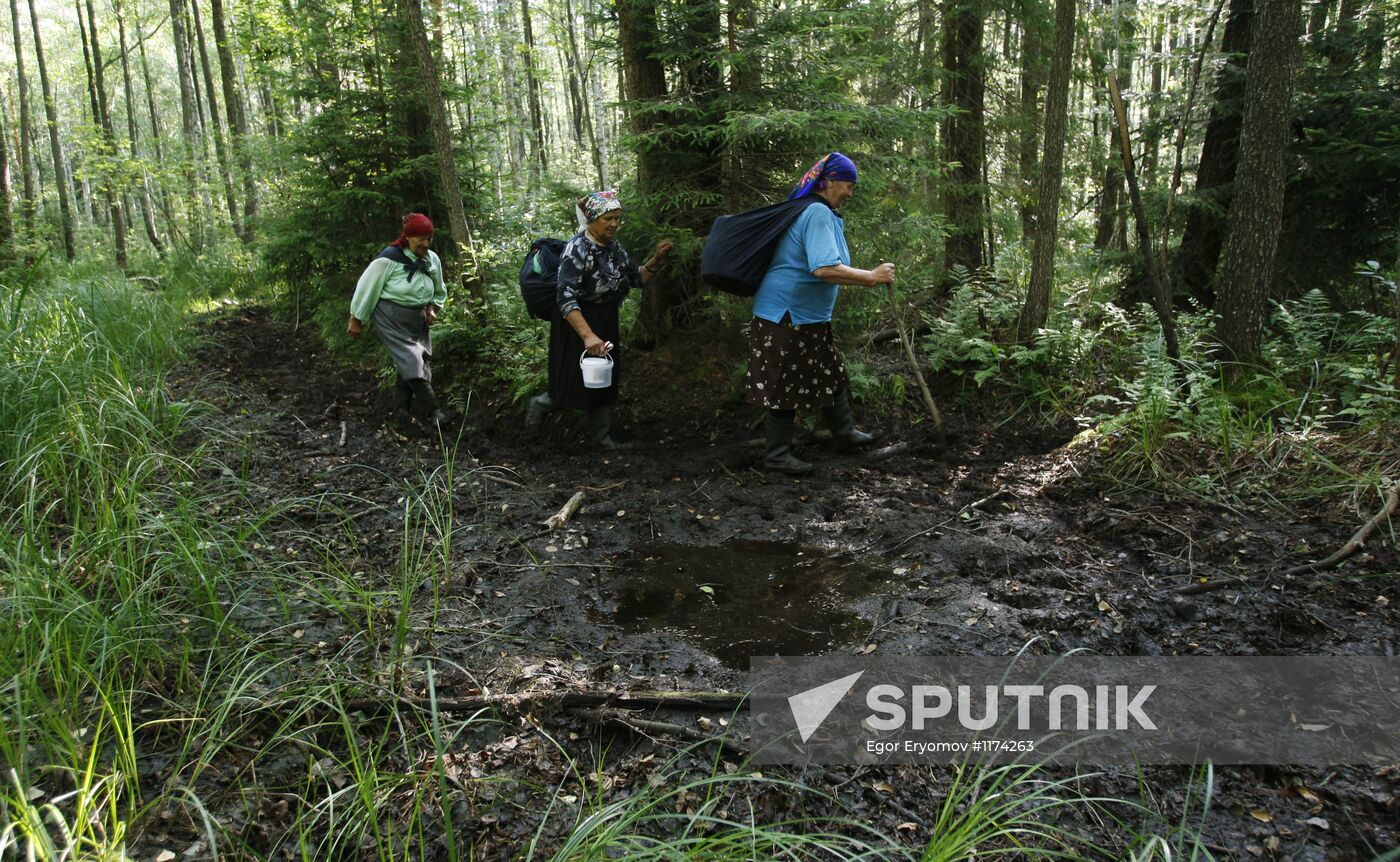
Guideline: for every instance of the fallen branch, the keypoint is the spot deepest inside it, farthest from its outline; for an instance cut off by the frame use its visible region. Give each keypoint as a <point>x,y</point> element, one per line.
<point>561,517</point>
<point>1392,501</point>
<point>343,432</point>
<point>726,701</point>
<point>1211,586</point>
<point>887,451</point>
<point>663,728</point>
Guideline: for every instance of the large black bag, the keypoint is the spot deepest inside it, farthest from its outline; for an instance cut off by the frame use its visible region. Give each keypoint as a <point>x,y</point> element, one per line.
<point>539,276</point>
<point>740,247</point>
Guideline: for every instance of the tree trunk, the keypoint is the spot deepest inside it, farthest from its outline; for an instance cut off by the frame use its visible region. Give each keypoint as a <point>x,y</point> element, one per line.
<point>26,124</point>
<point>1185,122</point>
<point>540,162</point>
<point>965,133</point>
<point>1047,199</point>
<point>645,79</point>
<point>237,118</point>
<point>189,121</point>
<point>1161,301</point>
<point>1031,74</point>
<point>60,168</point>
<point>411,11</point>
<point>1205,221</point>
<point>7,225</point>
<point>109,142</point>
<point>147,206</point>
<point>1247,260</point>
<point>580,74</point>
<point>215,126</point>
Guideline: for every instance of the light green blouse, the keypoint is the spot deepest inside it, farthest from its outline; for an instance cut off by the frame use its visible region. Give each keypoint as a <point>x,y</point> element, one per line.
<point>387,279</point>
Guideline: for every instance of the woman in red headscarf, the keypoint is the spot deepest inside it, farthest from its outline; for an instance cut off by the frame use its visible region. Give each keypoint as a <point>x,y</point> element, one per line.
<point>402,291</point>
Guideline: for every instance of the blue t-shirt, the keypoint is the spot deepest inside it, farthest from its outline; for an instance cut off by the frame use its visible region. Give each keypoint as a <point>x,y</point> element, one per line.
<point>816,239</point>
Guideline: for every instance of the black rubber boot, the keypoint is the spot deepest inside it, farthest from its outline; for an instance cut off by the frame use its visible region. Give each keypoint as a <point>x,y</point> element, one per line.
<point>779,454</point>
<point>842,423</point>
<point>403,395</point>
<point>600,422</point>
<point>423,391</point>
<point>540,407</point>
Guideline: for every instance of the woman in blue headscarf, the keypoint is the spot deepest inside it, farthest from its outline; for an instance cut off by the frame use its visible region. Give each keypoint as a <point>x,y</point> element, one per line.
<point>793,361</point>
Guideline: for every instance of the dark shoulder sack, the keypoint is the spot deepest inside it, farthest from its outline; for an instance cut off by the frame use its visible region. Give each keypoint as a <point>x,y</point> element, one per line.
<point>740,247</point>
<point>539,276</point>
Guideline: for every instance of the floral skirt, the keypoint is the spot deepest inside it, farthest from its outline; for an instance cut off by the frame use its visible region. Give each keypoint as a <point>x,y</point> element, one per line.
<point>793,367</point>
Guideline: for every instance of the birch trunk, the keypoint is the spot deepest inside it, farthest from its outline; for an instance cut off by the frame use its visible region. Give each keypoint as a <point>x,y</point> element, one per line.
<point>60,167</point>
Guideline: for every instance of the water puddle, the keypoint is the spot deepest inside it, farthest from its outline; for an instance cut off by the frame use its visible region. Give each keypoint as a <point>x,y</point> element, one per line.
<point>745,598</point>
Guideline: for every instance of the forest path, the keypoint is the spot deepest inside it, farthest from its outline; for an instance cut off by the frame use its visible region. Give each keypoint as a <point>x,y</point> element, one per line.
<point>974,547</point>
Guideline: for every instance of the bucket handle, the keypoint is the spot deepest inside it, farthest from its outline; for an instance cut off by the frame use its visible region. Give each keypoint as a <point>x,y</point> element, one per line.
<point>607,356</point>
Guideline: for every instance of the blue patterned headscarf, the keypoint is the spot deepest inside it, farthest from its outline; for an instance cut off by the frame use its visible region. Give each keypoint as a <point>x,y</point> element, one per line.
<point>833,166</point>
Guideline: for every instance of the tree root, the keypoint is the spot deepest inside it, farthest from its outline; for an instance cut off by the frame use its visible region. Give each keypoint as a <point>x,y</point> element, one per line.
<point>1392,501</point>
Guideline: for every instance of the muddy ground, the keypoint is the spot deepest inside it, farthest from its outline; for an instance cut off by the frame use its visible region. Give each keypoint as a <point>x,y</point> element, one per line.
<point>975,545</point>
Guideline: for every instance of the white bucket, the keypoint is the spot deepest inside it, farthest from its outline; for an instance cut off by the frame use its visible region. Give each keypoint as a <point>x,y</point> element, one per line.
<point>597,371</point>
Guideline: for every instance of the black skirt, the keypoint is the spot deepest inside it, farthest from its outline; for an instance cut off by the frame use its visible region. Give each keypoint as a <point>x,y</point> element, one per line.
<point>566,387</point>
<point>793,367</point>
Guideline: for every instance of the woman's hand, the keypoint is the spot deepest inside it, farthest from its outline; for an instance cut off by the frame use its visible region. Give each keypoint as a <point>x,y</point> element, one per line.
<point>595,346</point>
<point>430,314</point>
<point>882,274</point>
<point>662,249</point>
<point>356,327</point>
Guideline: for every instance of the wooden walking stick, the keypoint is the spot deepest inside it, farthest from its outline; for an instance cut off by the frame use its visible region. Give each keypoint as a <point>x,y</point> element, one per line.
<point>914,362</point>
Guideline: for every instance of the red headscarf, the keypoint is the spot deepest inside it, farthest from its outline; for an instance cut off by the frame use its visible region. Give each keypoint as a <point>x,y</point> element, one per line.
<point>414,224</point>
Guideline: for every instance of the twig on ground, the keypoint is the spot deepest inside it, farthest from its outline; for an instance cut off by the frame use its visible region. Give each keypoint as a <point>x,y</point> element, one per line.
<point>663,728</point>
<point>887,451</point>
<point>677,700</point>
<point>343,431</point>
<point>561,517</point>
<point>976,504</point>
<point>1392,501</point>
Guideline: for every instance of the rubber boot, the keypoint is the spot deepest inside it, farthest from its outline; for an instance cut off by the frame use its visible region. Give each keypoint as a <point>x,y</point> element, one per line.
<point>540,407</point>
<point>779,454</point>
<point>843,425</point>
<point>600,422</point>
<point>403,395</point>
<point>423,391</point>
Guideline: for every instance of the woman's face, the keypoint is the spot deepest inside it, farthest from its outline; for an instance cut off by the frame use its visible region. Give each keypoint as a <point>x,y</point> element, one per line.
<point>604,227</point>
<point>838,192</point>
<point>419,244</point>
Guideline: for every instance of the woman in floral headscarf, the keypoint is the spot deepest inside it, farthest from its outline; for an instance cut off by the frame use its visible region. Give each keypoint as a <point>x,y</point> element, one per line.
<point>793,361</point>
<point>595,275</point>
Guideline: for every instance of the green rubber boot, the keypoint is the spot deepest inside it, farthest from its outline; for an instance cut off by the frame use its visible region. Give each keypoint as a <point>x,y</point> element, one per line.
<point>600,424</point>
<point>779,453</point>
<point>839,419</point>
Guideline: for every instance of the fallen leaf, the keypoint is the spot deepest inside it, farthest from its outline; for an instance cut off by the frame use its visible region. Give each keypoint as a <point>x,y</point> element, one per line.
<point>1262,816</point>
<point>883,787</point>
<point>621,512</point>
<point>867,649</point>
<point>1314,728</point>
<point>1319,822</point>
<point>704,723</point>
<point>569,799</point>
<point>707,589</point>
<point>165,856</point>
<point>906,826</point>
<point>1382,601</point>
<point>1308,795</point>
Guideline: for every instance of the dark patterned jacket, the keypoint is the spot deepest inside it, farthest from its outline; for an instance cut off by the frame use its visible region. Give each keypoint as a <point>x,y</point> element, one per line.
<point>589,272</point>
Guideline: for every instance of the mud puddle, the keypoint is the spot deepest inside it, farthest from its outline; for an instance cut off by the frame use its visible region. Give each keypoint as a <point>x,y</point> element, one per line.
<point>745,598</point>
